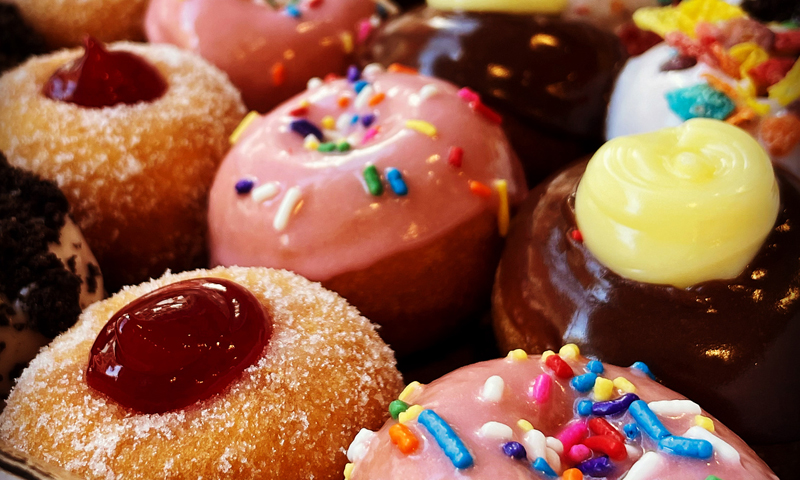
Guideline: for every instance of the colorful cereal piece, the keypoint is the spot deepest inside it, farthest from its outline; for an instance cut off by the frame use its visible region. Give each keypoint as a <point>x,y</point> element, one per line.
<point>700,101</point>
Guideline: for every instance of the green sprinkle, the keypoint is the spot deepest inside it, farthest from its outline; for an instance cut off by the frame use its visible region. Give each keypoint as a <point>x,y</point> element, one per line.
<point>373,180</point>
<point>713,477</point>
<point>343,146</point>
<point>326,147</point>
<point>397,407</point>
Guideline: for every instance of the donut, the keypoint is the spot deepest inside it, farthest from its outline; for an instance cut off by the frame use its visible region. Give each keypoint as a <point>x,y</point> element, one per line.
<point>713,315</point>
<point>268,49</point>
<point>49,274</point>
<point>395,197</point>
<point>306,372</point>
<point>136,173</point>
<point>609,14</point>
<point>18,40</point>
<point>548,76</point>
<point>724,65</point>
<point>558,415</point>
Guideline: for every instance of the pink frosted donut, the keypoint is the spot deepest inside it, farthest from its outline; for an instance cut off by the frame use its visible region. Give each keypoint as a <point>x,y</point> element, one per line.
<point>414,261</point>
<point>551,416</point>
<point>269,52</point>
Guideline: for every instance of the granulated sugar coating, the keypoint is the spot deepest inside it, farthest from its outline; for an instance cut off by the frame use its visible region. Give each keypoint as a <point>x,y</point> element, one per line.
<point>324,375</point>
<point>137,176</point>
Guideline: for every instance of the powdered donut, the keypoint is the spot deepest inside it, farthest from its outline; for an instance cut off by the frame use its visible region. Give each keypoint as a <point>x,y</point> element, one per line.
<point>323,374</point>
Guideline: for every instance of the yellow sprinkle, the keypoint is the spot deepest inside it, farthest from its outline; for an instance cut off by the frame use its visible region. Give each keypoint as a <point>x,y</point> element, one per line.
<point>502,209</point>
<point>787,90</point>
<point>347,42</point>
<point>625,385</point>
<point>570,351</point>
<point>409,415</point>
<point>328,123</point>
<point>410,388</point>
<point>422,127</point>
<point>547,354</point>
<point>348,471</point>
<point>518,354</point>
<point>524,425</point>
<point>311,142</point>
<point>246,121</point>
<point>685,16</point>
<point>304,104</point>
<point>603,388</point>
<point>704,422</point>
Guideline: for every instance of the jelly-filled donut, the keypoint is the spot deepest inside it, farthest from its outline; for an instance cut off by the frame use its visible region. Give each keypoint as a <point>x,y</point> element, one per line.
<point>549,77</point>
<point>269,49</point>
<point>224,373</point>
<point>392,190</point>
<point>680,249</point>
<point>549,416</point>
<point>722,64</point>
<point>49,274</point>
<point>133,136</point>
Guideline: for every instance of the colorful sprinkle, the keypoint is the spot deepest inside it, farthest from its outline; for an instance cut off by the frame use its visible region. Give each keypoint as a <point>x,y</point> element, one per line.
<point>455,156</point>
<point>364,29</point>
<point>408,391</point>
<point>347,42</point>
<point>631,431</point>
<point>583,383</point>
<point>404,438</point>
<point>314,82</point>
<point>600,426</point>
<point>343,146</point>
<point>584,407</point>
<point>541,466</point>
<point>399,68</point>
<point>446,438</point>
<point>496,431</point>
<point>396,182</point>
<point>360,444</point>
<point>278,74</point>
<point>540,389</point>
<point>517,355</point>
<point>353,74</point>
<point>596,467</point>
<point>493,388</point>
<point>686,447</point>
<point>572,474</point>
<point>369,135</point>
<point>514,450</point>
<point>326,147</point>
<point>704,422</point>
<point>359,85</point>
<point>343,101</point>
<point>285,209</point>
<point>328,122</point>
<point>363,97</point>
<point>373,180</point>
<point>427,91</point>
<point>535,443</point>
<point>576,235</point>
<point>239,130</point>
<point>579,453</point>
<point>300,111</point>
<point>487,112</point>
<point>244,186</point>
<point>608,445</point>
<point>671,408</point>
<point>304,128</point>
<point>642,367</point>
<point>348,471</point>
<point>524,425</point>
<point>468,95</point>
<point>310,142</point>
<point>376,99</point>
<point>647,420</point>
<point>603,389</point>
<point>573,434</point>
<point>409,415</point>
<point>569,351</point>
<point>396,407</point>
<point>422,126</point>
<point>503,214</point>
<point>723,449</point>
<point>625,385</point>
<point>646,467</point>
<point>595,366</point>
<point>700,101</point>
<point>559,367</point>
<point>613,407</point>
<point>292,11</point>
<point>265,192</point>
<point>367,119</point>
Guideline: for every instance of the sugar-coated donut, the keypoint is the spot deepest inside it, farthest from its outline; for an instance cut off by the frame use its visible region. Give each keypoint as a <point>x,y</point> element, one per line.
<point>550,416</point>
<point>269,49</point>
<point>137,176</point>
<point>324,374</point>
<point>397,206</point>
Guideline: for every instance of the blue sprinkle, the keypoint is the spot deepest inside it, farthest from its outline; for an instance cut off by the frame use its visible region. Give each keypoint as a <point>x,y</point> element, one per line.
<point>381,11</point>
<point>447,439</point>
<point>596,467</point>
<point>305,128</point>
<point>631,431</point>
<point>584,408</point>
<point>641,366</point>
<point>686,447</point>
<point>541,466</point>
<point>359,85</point>
<point>583,383</point>
<point>353,74</point>
<point>595,367</point>
<point>292,11</point>
<point>244,186</point>
<point>514,450</point>
<point>700,100</point>
<point>648,421</point>
<point>613,407</point>
<point>395,179</point>
<point>367,119</point>
<point>354,120</point>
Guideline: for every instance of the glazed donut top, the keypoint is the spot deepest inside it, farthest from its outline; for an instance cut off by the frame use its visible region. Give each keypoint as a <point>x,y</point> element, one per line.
<point>554,416</point>
<point>354,170</point>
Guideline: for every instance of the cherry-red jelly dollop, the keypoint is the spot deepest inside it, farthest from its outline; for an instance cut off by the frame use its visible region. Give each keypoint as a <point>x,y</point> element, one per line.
<point>102,79</point>
<point>178,344</point>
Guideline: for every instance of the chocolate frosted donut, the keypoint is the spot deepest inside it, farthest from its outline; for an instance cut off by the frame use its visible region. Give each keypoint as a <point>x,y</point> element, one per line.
<point>550,78</point>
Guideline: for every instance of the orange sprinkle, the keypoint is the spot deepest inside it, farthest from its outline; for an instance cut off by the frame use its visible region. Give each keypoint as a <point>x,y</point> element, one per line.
<point>404,438</point>
<point>780,134</point>
<point>480,189</point>
<point>400,68</point>
<point>278,74</point>
<point>376,99</point>
<point>617,7</point>
<point>721,85</point>
<point>726,63</point>
<point>741,116</point>
<point>343,101</point>
<point>572,474</point>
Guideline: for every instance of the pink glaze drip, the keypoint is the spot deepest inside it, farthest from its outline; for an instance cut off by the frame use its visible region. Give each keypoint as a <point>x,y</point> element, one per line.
<point>248,39</point>
<point>456,399</point>
<point>338,226</point>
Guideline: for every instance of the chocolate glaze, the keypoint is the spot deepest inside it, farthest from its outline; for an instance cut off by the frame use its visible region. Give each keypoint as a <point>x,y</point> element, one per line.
<point>550,78</point>
<point>732,345</point>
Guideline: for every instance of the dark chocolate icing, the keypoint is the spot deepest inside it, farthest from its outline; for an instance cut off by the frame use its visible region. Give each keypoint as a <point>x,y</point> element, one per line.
<point>550,78</point>
<point>731,346</point>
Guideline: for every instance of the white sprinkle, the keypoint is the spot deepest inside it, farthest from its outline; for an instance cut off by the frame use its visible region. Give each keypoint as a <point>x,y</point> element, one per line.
<point>310,142</point>
<point>535,443</point>
<point>288,203</point>
<point>363,97</point>
<point>343,122</point>
<point>673,408</point>
<point>722,448</point>
<point>375,21</point>
<point>633,452</point>
<point>493,389</point>
<point>371,70</point>
<point>496,431</point>
<point>646,467</point>
<point>314,82</point>
<point>555,444</point>
<point>428,91</point>
<point>265,192</point>
<point>360,445</point>
<point>553,459</point>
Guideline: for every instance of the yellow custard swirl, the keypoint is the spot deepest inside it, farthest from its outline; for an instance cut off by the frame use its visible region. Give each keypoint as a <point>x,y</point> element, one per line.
<point>504,6</point>
<point>678,206</point>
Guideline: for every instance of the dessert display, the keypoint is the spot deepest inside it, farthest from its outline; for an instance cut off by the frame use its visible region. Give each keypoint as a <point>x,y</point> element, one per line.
<point>678,248</point>
<point>392,189</point>
<point>269,49</point>
<point>549,416</point>
<point>49,274</point>
<point>18,40</point>
<point>235,373</point>
<point>720,64</point>
<point>548,76</point>
<point>133,135</point>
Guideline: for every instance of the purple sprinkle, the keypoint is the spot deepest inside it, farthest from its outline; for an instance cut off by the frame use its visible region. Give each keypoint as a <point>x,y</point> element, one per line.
<point>367,119</point>
<point>353,74</point>
<point>244,186</point>
<point>514,450</point>
<point>596,467</point>
<point>678,62</point>
<point>613,407</point>
<point>305,128</point>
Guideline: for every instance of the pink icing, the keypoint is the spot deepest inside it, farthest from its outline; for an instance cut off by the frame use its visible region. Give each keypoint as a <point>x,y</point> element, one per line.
<point>456,399</point>
<point>249,39</point>
<point>338,226</point>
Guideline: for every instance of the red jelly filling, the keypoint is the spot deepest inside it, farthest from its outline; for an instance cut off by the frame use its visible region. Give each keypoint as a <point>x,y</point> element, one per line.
<point>102,79</point>
<point>178,344</point>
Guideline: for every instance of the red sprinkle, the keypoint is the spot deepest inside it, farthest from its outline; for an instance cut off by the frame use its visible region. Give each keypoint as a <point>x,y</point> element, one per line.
<point>299,112</point>
<point>469,95</point>
<point>559,367</point>
<point>278,74</point>
<point>480,189</point>
<point>487,112</point>
<point>330,77</point>
<point>314,3</point>
<point>400,68</point>
<point>455,156</point>
<point>608,445</point>
<point>600,426</point>
<point>576,235</point>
